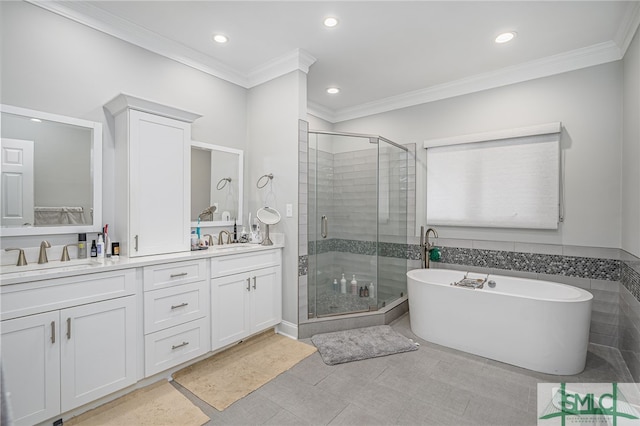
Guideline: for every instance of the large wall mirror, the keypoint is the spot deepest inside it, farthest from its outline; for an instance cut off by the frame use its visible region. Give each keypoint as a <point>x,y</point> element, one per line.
<point>216,185</point>
<point>51,173</point>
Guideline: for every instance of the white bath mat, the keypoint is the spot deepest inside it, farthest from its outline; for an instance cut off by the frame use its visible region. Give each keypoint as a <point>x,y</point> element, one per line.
<point>362,343</point>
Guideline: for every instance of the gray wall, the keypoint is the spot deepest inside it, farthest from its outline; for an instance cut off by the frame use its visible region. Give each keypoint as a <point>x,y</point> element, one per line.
<point>589,104</point>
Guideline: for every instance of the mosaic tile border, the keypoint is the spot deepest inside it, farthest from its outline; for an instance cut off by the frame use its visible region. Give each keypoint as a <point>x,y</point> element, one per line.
<point>581,267</point>
<point>630,279</point>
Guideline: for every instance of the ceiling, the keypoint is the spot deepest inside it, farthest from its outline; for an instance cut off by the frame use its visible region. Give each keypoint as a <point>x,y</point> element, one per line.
<point>382,54</point>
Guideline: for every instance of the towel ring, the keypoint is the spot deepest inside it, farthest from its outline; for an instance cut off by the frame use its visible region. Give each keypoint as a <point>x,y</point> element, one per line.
<point>268,178</point>
<point>223,181</point>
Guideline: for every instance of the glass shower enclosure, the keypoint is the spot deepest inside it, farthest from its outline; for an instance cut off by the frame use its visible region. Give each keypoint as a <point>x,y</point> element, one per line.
<point>358,189</point>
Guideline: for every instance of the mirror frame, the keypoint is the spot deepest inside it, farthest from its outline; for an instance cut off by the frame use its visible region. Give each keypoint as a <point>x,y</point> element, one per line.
<point>240,153</point>
<point>95,168</point>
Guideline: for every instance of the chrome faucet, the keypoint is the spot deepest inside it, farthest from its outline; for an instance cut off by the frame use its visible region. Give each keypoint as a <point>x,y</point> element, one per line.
<point>220,241</point>
<point>42,258</point>
<point>425,245</point>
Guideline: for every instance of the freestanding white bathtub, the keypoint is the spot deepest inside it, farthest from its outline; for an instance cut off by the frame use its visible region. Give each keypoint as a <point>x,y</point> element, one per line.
<point>539,325</point>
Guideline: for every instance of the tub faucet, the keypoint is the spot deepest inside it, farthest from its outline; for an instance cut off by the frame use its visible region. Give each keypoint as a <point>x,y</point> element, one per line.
<point>42,258</point>
<point>220,240</point>
<point>425,245</point>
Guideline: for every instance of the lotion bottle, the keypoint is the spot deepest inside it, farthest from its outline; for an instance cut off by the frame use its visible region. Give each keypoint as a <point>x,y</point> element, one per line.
<point>343,285</point>
<point>335,285</point>
<point>372,291</point>
<point>354,286</point>
<point>100,247</point>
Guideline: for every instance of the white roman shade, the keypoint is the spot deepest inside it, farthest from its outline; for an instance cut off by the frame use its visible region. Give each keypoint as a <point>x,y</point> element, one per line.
<point>507,179</point>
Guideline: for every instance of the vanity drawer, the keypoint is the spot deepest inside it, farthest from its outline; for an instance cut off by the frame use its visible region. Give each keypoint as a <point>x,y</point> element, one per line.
<point>168,348</point>
<point>175,305</point>
<point>59,293</point>
<point>170,274</point>
<point>237,263</point>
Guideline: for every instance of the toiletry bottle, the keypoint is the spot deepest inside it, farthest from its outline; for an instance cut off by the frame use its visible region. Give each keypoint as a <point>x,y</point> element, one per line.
<point>107,241</point>
<point>82,246</point>
<point>235,231</point>
<point>343,285</point>
<point>361,292</point>
<point>94,249</point>
<point>335,285</point>
<point>366,291</point>
<point>354,286</point>
<point>100,247</point>
<point>115,250</point>
<point>372,291</point>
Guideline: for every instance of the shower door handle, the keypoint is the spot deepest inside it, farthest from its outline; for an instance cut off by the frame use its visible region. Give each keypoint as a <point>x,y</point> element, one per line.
<point>324,230</point>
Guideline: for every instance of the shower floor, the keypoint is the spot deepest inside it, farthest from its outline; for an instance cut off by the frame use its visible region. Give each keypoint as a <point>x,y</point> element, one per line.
<point>331,303</point>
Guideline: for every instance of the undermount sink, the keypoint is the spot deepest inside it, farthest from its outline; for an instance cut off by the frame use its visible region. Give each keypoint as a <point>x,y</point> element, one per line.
<point>233,247</point>
<point>52,264</point>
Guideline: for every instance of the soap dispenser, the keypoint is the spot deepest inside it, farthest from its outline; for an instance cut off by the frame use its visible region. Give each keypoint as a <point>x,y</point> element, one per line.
<point>372,291</point>
<point>354,286</point>
<point>343,285</point>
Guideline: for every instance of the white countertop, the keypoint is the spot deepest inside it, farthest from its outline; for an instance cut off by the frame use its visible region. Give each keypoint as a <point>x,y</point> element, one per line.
<point>56,269</point>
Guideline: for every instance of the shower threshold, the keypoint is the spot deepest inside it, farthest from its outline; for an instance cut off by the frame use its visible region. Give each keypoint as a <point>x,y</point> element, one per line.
<point>344,313</point>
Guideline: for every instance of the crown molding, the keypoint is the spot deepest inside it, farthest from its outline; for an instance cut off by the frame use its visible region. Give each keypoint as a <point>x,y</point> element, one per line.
<point>628,26</point>
<point>576,59</point>
<point>321,111</point>
<point>297,59</point>
<point>96,18</point>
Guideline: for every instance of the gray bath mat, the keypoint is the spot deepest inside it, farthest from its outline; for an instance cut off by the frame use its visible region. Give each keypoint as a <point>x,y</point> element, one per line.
<point>362,343</point>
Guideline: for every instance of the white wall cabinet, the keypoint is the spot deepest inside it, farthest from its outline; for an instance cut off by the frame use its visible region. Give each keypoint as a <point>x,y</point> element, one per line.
<point>245,300</point>
<point>57,360</point>
<point>153,158</point>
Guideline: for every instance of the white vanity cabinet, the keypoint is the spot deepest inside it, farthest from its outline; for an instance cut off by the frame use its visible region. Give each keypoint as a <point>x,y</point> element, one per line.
<point>176,314</point>
<point>153,158</point>
<point>246,295</point>
<point>67,342</point>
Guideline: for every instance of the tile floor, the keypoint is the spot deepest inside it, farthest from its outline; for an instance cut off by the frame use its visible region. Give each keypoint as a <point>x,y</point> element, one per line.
<point>431,386</point>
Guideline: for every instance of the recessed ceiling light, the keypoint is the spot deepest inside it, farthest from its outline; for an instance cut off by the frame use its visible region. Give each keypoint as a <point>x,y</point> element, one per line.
<point>333,90</point>
<point>36,120</point>
<point>220,38</point>
<point>505,37</point>
<point>330,22</point>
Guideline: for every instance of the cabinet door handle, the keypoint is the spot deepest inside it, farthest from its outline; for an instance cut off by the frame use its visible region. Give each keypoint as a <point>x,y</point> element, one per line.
<point>68,328</point>
<point>248,284</point>
<point>254,283</point>
<point>136,243</point>
<point>182,305</point>
<point>181,274</point>
<point>180,345</point>
<point>53,331</point>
